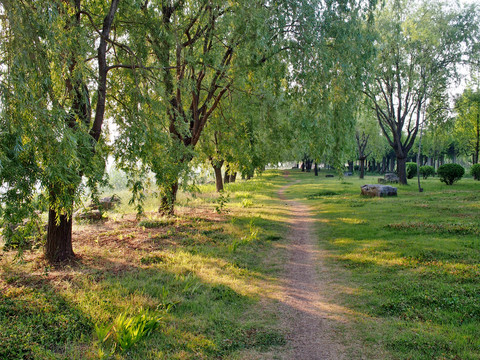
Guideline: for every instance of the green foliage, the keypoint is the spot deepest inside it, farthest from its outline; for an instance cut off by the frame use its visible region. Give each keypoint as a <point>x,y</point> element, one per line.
<point>467,121</point>
<point>419,47</point>
<point>126,331</point>
<point>411,170</point>
<point>27,235</point>
<point>427,171</point>
<point>450,173</point>
<point>222,201</point>
<point>246,203</point>
<point>475,171</point>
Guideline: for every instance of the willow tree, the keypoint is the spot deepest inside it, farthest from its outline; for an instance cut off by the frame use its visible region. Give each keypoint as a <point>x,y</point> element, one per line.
<point>419,46</point>
<point>198,52</point>
<point>328,81</point>
<point>467,123</point>
<point>54,66</point>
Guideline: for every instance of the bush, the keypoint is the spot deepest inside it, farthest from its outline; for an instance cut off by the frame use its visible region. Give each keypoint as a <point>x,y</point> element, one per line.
<point>411,170</point>
<point>475,171</point>
<point>450,173</point>
<point>427,171</point>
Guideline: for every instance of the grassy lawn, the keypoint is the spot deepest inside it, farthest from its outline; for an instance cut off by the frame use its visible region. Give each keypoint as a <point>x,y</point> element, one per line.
<point>203,285</point>
<point>409,266</point>
<point>183,288</point>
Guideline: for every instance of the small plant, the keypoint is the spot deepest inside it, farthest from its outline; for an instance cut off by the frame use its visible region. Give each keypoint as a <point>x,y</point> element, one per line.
<point>411,169</point>
<point>222,202</point>
<point>125,331</point>
<point>427,171</point>
<point>475,171</point>
<point>246,203</point>
<point>450,173</point>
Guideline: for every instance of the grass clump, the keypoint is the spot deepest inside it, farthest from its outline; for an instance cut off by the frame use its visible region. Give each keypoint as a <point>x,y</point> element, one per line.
<point>126,331</point>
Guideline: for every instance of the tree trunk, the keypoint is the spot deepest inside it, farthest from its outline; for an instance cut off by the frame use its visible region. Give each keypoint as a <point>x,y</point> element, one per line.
<point>350,166</point>
<point>477,143</point>
<point>226,178</point>
<point>316,169</point>
<point>59,238</point>
<point>168,200</point>
<point>362,168</point>
<point>233,177</point>
<point>419,157</point>
<point>402,170</point>
<point>218,177</point>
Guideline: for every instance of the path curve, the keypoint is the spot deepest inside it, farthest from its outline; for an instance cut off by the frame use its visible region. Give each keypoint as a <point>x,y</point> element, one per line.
<point>305,308</point>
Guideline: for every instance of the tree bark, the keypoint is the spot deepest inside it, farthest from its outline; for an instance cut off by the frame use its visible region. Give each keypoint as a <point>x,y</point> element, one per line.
<point>59,238</point>
<point>218,176</point>
<point>233,177</point>
<point>350,166</point>
<point>226,178</point>
<point>402,170</point>
<point>362,168</point>
<point>477,142</point>
<point>168,200</point>
<point>316,169</point>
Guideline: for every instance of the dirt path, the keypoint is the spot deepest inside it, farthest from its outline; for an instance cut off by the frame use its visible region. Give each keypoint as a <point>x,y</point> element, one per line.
<point>305,306</point>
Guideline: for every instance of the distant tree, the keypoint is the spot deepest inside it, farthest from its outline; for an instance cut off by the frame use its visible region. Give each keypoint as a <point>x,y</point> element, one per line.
<point>419,47</point>
<point>367,135</point>
<point>467,122</point>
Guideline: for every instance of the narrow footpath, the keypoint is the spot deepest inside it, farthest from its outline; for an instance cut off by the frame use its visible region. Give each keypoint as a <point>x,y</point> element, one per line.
<point>305,308</point>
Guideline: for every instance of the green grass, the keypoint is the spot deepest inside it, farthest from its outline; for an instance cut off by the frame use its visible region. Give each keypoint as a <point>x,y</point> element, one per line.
<point>411,263</point>
<point>155,289</point>
<point>199,286</point>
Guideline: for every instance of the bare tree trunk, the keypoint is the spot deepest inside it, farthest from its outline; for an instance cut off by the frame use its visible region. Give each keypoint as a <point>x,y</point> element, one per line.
<point>316,169</point>
<point>419,157</point>
<point>477,143</point>
<point>233,177</point>
<point>362,168</point>
<point>226,177</point>
<point>350,166</point>
<point>402,170</point>
<point>218,177</point>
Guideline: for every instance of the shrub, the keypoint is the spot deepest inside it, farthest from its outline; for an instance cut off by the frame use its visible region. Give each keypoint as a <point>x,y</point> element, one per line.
<point>427,171</point>
<point>450,173</point>
<point>411,170</point>
<point>475,171</point>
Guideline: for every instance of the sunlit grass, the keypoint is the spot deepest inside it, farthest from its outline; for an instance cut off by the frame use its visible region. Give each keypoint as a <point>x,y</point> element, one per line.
<point>414,261</point>
<point>183,268</point>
